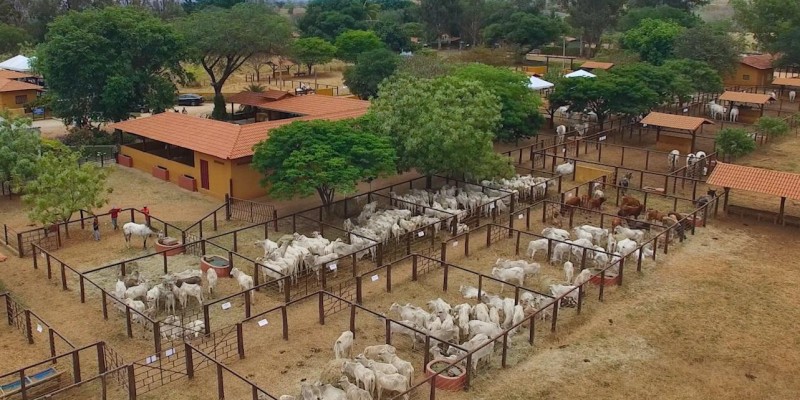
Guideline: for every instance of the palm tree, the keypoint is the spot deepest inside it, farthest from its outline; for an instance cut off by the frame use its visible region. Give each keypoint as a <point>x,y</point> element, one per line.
<point>255,88</point>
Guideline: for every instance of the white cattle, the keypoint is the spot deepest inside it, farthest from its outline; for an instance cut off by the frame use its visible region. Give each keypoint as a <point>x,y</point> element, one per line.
<point>734,113</point>
<point>343,345</point>
<point>514,275</point>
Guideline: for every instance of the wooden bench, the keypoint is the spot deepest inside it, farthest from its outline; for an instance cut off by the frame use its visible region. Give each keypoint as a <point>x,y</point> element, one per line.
<point>36,385</point>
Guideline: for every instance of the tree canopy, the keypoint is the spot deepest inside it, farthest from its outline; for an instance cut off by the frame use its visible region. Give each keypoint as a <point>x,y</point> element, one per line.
<point>634,16</point>
<point>734,142</point>
<point>312,51</point>
<point>19,149</point>
<point>103,64</point>
<point>525,30</point>
<point>606,94</point>
<point>370,70</point>
<point>320,156</point>
<point>11,37</point>
<point>352,43</point>
<point>653,39</point>
<point>703,78</point>
<point>768,20</point>
<point>592,18</point>
<point>520,117</point>
<point>441,126</point>
<point>330,18</point>
<point>222,40</point>
<point>687,5</point>
<point>62,187</point>
<point>702,43</point>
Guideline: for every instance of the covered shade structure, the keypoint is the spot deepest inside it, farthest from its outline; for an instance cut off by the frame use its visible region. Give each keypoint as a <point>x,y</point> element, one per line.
<point>747,98</point>
<point>580,74</point>
<point>537,83</point>
<point>17,63</point>
<point>759,180</point>
<point>592,65</point>
<point>676,123</point>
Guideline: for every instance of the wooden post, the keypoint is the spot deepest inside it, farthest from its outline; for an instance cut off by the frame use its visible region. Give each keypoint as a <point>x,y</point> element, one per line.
<point>105,304</point>
<point>132,377</point>
<point>220,383</point>
<point>285,322</point>
<point>321,308</point>
<point>555,316</point>
<point>76,366</point>
<point>780,214</point>
<point>358,290</point>
<point>52,340</point>
<point>532,328</point>
<point>63,277</point>
<point>389,278</point>
<point>28,330</point>
<point>388,330</point>
<point>725,202</point>
<point>240,340</point>
<point>505,350</point>
<point>128,325</point>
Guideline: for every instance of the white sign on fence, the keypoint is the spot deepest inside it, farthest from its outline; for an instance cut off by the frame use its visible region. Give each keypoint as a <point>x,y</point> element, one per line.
<point>151,359</point>
<point>455,243</point>
<point>226,305</point>
<point>263,322</point>
<point>170,352</point>
<point>520,216</point>
<point>375,278</point>
<point>601,138</point>
<point>39,328</point>
<point>332,267</point>
<point>421,233</point>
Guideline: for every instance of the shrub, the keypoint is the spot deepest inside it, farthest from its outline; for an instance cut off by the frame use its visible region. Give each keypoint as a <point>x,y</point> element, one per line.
<point>86,137</point>
<point>735,142</point>
<point>772,126</point>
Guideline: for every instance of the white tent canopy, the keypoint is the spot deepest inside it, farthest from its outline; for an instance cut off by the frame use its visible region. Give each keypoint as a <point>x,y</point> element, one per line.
<point>539,84</point>
<point>17,63</point>
<point>580,74</point>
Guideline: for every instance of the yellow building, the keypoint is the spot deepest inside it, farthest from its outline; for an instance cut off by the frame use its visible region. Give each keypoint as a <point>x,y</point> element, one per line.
<point>214,157</point>
<point>15,94</point>
<point>754,70</point>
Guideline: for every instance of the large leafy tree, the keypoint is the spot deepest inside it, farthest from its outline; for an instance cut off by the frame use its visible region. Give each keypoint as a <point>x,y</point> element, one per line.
<point>322,157</point>
<point>19,149</point>
<point>715,48</point>
<point>222,40</point>
<point>330,18</point>
<point>769,21</point>
<point>370,70</point>
<point>525,30</point>
<point>687,5</point>
<point>63,187</point>
<point>425,65</point>
<point>734,142</point>
<point>101,64</point>
<point>634,16</point>
<point>393,35</point>
<point>441,126</point>
<point>592,18</point>
<point>702,77</point>
<point>352,43</point>
<point>520,117</point>
<point>659,80</point>
<point>787,45</point>
<point>653,39</point>
<point>11,37</point>
<point>607,94</point>
<point>440,17</point>
<point>312,51</point>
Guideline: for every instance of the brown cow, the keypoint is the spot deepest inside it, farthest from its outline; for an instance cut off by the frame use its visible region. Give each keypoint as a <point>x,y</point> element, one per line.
<point>655,215</point>
<point>597,204</point>
<point>617,222</point>
<point>627,211</point>
<point>630,201</point>
<point>570,204</point>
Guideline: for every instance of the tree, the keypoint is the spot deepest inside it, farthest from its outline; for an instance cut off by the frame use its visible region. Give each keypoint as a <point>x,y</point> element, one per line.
<point>607,94</point>
<point>221,40</point>
<point>702,43</point>
<point>62,187</point>
<point>196,5</point>
<point>767,20</point>
<point>659,80</point>
<point>703,78</point>
<point>323,157</point>
<point>556,98</point>
<point>103,64</point>
<point>393,35</point>
<point>330,18</point>
<point>312,51</point>
<point>592,18</point>
<point>526,31</point>
<point>686,5</point>
<point>370,70</point>
<point>634,16</point>
<point>519,112</point>
<point>11,38</point>
<point>19,149</point>
<point>440,17</point>
<point>425,65</point>
<point>441,126</point>
<point>653,39</point>
<point>772,127</point>
<point>787,46</point>
<point>474,15</point>
<point>352,43</point>
<point>735,142</point>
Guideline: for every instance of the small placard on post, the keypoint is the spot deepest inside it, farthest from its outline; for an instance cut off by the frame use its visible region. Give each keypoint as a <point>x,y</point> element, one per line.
<point>263,322</point>
<point>226,305</point>
<point>151,359</point>
<point>601,138</point>
<point>170,352</point>
<point>332,267</point>
<point>520,216</point>
<point>455,243</point>
<point>39,328</point>
<point>421,233</point>
<point>375,278</point>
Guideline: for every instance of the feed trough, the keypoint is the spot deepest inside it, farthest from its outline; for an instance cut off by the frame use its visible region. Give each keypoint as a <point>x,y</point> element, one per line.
<point>220,264</point>
<point>611,279</point>
<point>451,378</point>
<point>169,245</point>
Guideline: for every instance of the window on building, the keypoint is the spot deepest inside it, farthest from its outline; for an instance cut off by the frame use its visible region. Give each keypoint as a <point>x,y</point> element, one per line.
<point>745,77</point>
<point>21,99</point>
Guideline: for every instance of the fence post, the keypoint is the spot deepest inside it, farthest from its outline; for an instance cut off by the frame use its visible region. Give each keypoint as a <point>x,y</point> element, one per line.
<point>555,315</point>
<point>52,340</point>
<point>353,319</point>
<point>206,319</point>
<point>28,330</point>
<point>321,308</point>
<point>105,304</point>
<point>220,382</point>
<point>446,273</point>
<point>9,311</point>
<point>414,267</point>
<point>82,222</point>
<point>240,340</point>
<point>76,366</point>
<point>132,379</point>
<point>20,249</point>
<point>128,326</point>
<point>388,330</point>
<point>532,328</point>
<point>63,277</point>
<point>443,255</point>
<point>83,293</point>
<point>622,268</point>
<point>580,297</point>
<point>247,304</point>
<point>602,283</point>
<point>285,322</point>
<point>358,290</point>
<point>275,219</point>
<point>469,371</point>
<point>505,349</point>
<point>189,364</point>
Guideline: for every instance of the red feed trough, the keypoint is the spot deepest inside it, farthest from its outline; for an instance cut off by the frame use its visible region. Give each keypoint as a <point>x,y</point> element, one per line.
<point>169,245</point>
<point>611,279</point>
<point>452,379</point>
<point>220,264</point>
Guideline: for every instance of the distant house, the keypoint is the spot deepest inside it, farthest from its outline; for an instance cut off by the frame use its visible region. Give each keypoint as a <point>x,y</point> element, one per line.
<point>752,70</point>
<point>214,157</point>
<point>14,94</point>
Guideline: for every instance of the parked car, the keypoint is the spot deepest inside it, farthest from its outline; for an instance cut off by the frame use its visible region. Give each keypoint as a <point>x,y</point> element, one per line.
<point>190,99</point>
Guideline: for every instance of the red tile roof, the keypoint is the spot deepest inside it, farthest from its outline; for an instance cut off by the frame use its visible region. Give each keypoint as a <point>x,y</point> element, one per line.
<point>674,121</point>
<point>759,180</point>
<point>7,74</point>
<point>9,85</point>
<point>787,82</point>
<point>257,99</point>
<point>742,97</point>
<point>758,61</point>
<point>230,141</point>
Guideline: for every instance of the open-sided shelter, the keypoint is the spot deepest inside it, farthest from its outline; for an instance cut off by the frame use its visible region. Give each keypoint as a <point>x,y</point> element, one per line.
<point>593,65</point>
<point>758,180</point>
<point>580,74</point>
<point>747,112</point>
<point>537,83</point>
<point>214,157</point>
<point>675,123</point>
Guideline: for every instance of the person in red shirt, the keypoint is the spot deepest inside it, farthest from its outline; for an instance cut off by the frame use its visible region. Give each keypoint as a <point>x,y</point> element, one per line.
<point>146,212</point>
<point>114,212</point>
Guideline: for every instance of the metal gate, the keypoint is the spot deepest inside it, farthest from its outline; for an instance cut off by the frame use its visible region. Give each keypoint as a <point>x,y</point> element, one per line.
<point>250,211</point>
